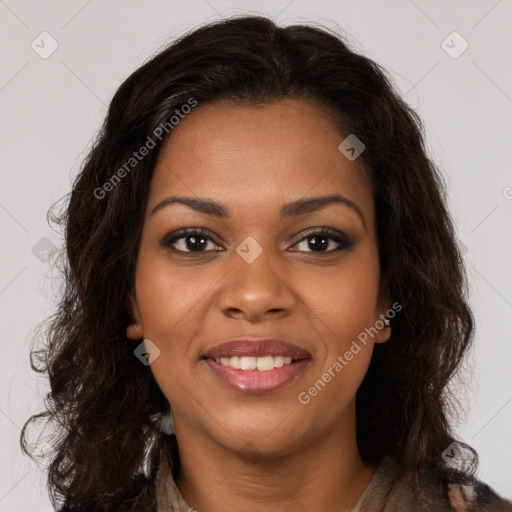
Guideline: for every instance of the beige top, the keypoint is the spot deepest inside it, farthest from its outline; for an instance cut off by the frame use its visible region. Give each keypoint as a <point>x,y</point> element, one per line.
<point>384,493</point>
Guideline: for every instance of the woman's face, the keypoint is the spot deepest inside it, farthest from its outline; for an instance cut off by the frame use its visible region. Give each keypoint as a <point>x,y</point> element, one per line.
<point>260,273</point>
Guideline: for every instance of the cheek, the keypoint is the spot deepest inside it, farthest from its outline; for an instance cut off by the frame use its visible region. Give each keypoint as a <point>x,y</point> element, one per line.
<point>170,299</point>
<point>343,312</point>
<point>345,309</point>
<point>169,302</point>
<point>345,299</point>
<point>173,303</point>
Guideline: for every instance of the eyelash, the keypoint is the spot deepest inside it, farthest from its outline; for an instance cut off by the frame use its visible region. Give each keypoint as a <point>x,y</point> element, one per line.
<point>344,242</point>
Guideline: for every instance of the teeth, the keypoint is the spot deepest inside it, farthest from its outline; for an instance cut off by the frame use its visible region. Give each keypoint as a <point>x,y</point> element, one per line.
<point>252,363</point>
<point>265,363</point>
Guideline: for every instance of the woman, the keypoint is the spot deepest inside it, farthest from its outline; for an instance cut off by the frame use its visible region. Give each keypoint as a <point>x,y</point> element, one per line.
<point>259,249</point>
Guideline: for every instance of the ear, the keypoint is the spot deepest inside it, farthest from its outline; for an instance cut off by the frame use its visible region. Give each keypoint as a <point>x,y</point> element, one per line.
<point>134,329</point>
<point>385,332</point>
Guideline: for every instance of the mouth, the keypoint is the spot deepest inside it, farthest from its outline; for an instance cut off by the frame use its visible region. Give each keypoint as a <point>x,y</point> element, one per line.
<point>262,364</point>
<point>256,366</point>
<point>258,348</point>
<point>255,381</point>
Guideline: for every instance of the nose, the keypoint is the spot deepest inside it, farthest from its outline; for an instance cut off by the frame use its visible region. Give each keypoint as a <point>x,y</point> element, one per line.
<point>258,290</point>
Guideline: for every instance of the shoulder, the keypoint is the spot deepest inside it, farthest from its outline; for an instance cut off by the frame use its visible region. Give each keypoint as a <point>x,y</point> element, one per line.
<point>476,496</point>
<point>461,495</point>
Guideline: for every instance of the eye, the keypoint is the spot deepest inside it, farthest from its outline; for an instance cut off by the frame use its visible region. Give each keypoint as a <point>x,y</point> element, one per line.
<point>188,240</point>
<point>320,240</point>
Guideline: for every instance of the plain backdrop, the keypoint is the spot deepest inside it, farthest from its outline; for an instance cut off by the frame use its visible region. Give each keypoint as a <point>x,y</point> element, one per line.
<point>53,104</point>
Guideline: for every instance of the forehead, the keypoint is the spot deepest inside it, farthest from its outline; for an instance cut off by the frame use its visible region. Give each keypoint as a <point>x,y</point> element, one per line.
<point>258,155</point>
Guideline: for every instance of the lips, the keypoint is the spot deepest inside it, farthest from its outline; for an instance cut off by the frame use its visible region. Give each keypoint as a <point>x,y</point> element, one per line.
<point>255,382</point>
<point>257,348</point>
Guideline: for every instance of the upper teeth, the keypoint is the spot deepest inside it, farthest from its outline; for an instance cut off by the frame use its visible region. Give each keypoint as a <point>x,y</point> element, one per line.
<point>252,363</point>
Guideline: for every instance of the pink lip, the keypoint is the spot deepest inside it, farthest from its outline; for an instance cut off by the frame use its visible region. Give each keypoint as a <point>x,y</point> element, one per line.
<point>256,381</point>
<point>257,348</point>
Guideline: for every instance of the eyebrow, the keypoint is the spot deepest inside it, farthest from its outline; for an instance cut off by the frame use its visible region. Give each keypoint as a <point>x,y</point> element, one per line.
<point>295,208</point>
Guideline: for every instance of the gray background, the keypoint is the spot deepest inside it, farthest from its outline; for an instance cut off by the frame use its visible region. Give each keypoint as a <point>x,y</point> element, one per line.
<point>52,107</point>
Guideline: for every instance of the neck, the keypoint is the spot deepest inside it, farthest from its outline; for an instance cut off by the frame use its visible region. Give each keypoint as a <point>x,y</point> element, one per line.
<point>325,474</point>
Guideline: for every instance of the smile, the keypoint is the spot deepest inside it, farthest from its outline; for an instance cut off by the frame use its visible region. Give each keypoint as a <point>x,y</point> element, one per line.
<point>256,375</point>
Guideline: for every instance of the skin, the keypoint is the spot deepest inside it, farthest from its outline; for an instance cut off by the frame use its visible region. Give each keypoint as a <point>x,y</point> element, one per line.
<point>265,451</point>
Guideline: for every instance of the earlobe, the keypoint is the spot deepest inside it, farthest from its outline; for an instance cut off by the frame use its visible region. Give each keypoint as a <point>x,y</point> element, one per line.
<point>383,324</point>
<point>134,329</point>
<point>383,335</point>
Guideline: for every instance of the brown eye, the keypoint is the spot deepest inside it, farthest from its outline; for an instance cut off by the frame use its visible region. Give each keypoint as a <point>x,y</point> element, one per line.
<point>190,240</point>
<point>322,241</point>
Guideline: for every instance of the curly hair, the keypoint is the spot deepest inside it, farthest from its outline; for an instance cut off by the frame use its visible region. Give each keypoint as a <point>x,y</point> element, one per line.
<point>105,404</point>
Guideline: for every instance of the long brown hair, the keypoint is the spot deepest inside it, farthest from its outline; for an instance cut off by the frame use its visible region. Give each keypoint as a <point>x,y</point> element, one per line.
<point>106,405</point>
